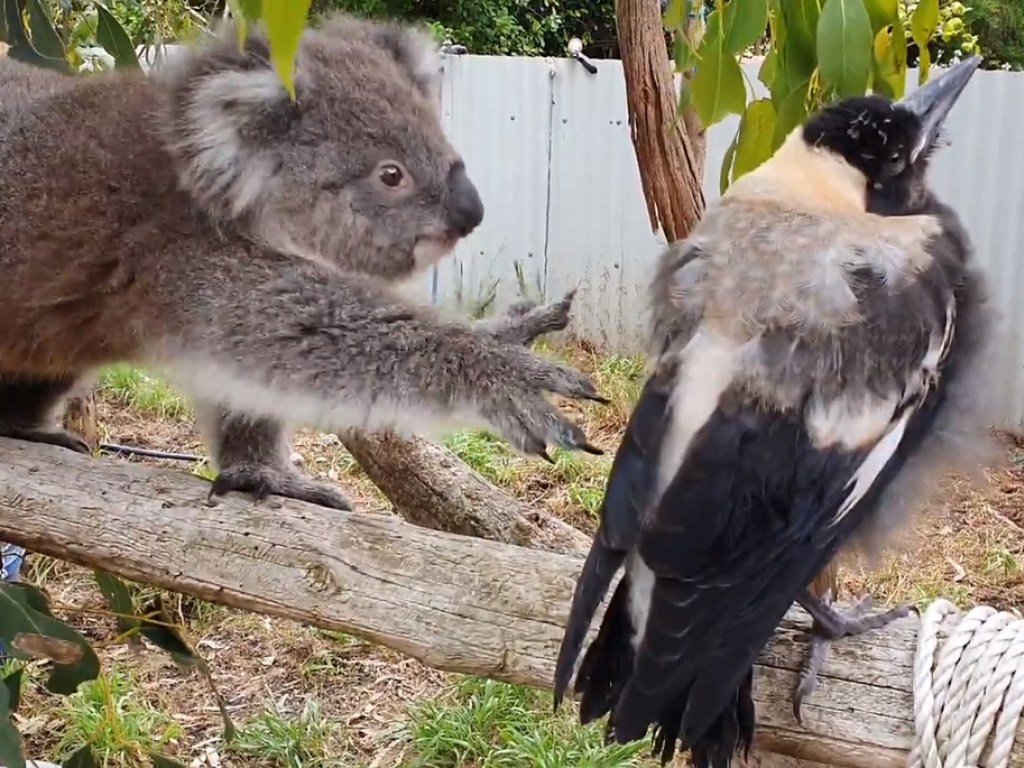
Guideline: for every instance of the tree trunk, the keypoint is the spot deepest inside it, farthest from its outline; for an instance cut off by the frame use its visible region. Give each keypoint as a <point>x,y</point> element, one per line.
<point>669,148</point>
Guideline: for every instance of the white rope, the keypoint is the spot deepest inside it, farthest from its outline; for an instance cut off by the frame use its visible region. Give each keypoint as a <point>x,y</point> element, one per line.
<point>970,689</point>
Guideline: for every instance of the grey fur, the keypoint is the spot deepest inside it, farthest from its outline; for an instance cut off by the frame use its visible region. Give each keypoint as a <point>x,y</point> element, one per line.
<point>201,222</point>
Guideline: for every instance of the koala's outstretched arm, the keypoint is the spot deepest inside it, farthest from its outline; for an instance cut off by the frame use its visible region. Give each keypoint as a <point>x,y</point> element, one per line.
<point>250,453</point>
<point>286,339</point>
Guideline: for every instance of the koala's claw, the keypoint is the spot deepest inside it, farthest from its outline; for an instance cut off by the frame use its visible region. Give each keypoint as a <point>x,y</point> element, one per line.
<point>263,481</point>
<point>591,449</point>
<point>544,455</point>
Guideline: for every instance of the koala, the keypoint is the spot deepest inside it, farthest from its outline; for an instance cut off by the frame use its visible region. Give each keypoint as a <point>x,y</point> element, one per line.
<point>202,223</point>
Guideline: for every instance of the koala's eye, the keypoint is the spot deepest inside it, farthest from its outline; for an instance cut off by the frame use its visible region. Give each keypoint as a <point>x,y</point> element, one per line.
<point>895,163</point>
<point>390,175</point>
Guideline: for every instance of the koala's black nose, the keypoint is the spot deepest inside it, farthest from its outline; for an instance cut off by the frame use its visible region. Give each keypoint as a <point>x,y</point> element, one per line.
<point>465,209</point>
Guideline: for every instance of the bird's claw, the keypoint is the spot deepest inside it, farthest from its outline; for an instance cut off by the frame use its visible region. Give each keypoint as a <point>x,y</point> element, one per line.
<point>831,624</point>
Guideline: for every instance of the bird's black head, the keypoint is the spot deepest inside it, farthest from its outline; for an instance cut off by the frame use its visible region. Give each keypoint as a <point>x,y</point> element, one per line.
<point>890,141</point>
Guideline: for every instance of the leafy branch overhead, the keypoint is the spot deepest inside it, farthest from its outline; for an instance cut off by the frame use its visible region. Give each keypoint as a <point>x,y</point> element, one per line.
<point>817,51</point>
<point>30,30</point>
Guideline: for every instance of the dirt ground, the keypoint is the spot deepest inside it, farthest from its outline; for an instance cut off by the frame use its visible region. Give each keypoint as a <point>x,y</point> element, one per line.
<point>341,702</point>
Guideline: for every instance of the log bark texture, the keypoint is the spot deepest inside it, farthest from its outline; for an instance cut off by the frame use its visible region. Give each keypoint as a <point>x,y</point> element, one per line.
<point>454,602</point>
<point>431,487</point>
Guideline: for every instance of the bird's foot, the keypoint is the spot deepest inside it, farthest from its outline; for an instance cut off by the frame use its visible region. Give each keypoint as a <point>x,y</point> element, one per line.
<point>59,437</point>
<point>831,624</point>
<point>262,481</point>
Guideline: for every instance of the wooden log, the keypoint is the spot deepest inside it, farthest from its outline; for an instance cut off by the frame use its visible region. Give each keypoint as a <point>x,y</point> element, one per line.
<point>454,602</point>
<point>431,487</point>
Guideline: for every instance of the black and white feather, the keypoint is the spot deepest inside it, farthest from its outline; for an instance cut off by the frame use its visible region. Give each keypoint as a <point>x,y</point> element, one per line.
<point>807,351</point>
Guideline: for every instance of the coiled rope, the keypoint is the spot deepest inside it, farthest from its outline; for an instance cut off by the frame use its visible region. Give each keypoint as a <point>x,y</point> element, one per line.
<point>971,687</point>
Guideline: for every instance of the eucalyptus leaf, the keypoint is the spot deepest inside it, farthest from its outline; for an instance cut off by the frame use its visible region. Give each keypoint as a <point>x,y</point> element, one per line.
<point>111,35</point>
<point>167,637</point>
<point>717,88</point>
<point>791,111</point>
<point>12,683</point>
<point>285,21</point>
<point>675,14</point>
<point>119,600</point>
<point>251,9</point>
<point>844,46</point>
<point>922,26</point>
<point>28,630</point>
<point>11,755</point>
<point>754,138</point>
<point>882,13</point>
<point>82,758</point>
<point>766,73</point>
<point>723,174</point>
<point>745,23</point>
<point>45,39</point>
<point>160,761</point>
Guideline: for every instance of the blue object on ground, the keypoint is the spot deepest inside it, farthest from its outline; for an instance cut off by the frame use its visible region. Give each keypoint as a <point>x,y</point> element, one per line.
<point>11,560</point>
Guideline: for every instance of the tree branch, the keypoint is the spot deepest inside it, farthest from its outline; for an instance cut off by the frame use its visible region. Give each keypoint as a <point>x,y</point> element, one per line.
<point>431,487</point>
<point>454,602</point>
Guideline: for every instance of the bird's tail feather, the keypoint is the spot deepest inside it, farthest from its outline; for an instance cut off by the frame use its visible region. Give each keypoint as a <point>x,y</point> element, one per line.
<point>608,662</point>
<point>732,732</point>
<point>591,587</point>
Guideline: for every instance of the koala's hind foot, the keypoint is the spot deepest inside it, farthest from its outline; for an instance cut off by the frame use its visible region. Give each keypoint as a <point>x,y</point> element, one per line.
<point>59,437</point>
<point>252,457</point>
<point>27,405</point>
<point>262,481</point>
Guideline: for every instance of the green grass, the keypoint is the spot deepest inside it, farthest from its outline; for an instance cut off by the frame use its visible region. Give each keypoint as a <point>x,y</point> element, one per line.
<point>620,378</point>
<point>488,455</point>
<point>1001,560</point>
<point>302,741</point>
<point>487,724</point>
<point>111,715</point>
<point>143,392</point>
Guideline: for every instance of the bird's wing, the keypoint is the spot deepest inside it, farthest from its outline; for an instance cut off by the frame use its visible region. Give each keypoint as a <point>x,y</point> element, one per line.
<point>805,429</point>
<point>626,497</point>
<point>633,476</point>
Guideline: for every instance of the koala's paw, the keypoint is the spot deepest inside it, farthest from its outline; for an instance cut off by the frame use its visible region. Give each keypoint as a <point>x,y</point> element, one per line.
<point>525,418</point>
<point>528,321</point>
<point>262,481</point>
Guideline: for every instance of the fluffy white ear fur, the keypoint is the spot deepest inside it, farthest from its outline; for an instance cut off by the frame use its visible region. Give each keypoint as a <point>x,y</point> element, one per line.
<point>219,165</point>
<point>424,61</point>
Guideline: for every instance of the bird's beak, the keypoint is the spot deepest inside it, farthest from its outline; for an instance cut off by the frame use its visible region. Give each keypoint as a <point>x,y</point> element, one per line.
<point>933,101</point>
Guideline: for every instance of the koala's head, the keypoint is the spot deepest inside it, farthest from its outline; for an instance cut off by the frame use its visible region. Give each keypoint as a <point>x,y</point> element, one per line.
<point>356,171</point>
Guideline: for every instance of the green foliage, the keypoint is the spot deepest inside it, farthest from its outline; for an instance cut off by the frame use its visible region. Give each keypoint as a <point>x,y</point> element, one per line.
<point>503,27</point>
<point>65,36</point>
<point>30,633</point>
<point>998,26</point>
<point>110,717</point>
<point>817,51</point>
<point>484,722</point>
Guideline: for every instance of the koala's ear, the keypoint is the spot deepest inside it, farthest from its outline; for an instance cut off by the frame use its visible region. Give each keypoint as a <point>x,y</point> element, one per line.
<point>228,110</point>
<point>416,51</point>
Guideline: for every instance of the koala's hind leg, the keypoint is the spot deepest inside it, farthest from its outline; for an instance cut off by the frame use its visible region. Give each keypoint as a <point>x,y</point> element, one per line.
<point>250,455</point>
<point>27,410</point>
